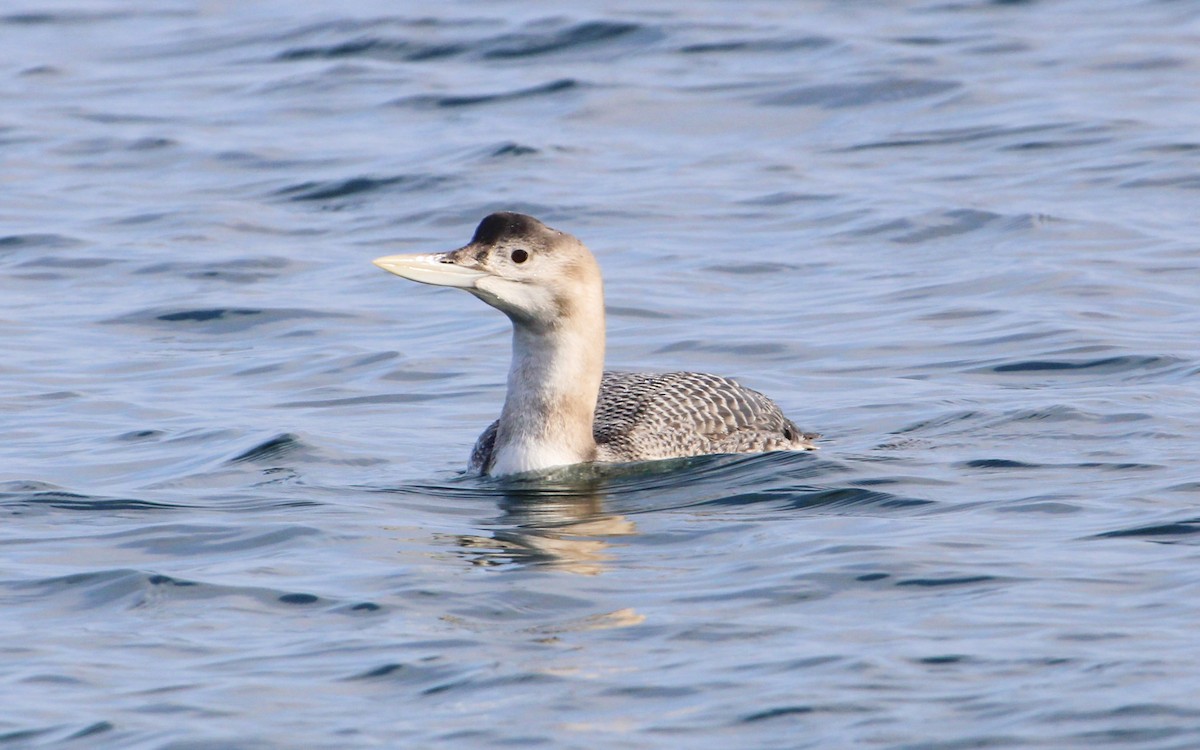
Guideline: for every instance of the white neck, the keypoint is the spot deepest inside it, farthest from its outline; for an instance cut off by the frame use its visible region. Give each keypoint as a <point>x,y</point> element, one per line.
<point>553,383</point>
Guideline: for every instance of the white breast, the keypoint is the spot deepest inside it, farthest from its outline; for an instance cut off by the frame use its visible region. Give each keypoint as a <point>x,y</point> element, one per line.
<point>520,457</point>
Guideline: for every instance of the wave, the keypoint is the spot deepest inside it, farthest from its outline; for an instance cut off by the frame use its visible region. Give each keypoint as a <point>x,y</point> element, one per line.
<point>327,190</point>
<point>556,86</point>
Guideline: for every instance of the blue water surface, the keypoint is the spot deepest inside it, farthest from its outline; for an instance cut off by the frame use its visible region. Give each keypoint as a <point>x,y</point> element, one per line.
<point>958,238</point>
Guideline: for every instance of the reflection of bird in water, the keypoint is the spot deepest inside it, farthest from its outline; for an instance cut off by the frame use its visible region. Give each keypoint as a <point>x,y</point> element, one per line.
<point>566,530</point>
<point>561,407</point>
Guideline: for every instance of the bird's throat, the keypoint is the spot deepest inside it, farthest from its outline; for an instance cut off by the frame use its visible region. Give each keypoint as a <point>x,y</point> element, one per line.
<point>553,383</point>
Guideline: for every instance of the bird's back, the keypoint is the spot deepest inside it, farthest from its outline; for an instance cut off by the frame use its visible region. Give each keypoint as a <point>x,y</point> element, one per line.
<point>650,416</point>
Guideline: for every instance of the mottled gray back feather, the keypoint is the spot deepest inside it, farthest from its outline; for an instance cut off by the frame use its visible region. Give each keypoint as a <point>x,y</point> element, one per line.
<point>481,454</point>
<point>648,416</point>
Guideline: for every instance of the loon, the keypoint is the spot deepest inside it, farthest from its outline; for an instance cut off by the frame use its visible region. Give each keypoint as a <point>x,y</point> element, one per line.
<point>562,408</point>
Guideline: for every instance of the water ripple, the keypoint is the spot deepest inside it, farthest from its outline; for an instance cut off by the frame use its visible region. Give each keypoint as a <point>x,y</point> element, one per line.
<point>14,242</point>
<point>354,186</point>
<point>582,35</point>
<point>219,320</point>
<point>1183,528</point>
<point>468,100</point>
<point>377,48</point>
<point>271,449</point>
<point>740,46</point>
<point>23,497</point>
<point>1102,365</point>
<point>839,95</point>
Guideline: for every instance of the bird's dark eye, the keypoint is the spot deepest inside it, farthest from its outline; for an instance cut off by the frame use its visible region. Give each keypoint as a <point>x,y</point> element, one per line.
<point>519,256</point>
<point>788,434</point>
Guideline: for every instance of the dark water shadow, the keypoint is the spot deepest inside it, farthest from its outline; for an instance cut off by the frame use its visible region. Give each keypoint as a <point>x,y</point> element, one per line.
<point>417,41</point>
<point>1183,531</point>
<point>22,498</point>
<point>112,589</point>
